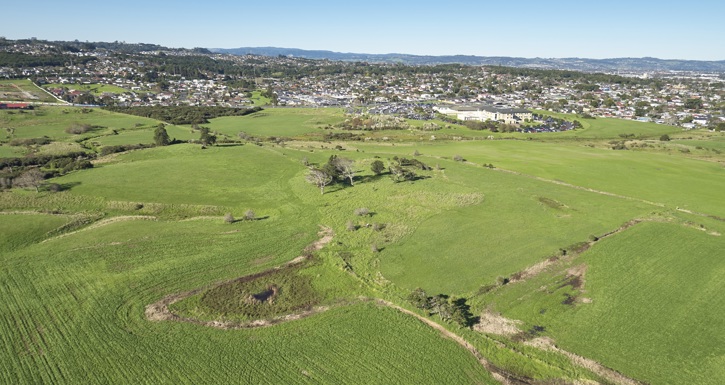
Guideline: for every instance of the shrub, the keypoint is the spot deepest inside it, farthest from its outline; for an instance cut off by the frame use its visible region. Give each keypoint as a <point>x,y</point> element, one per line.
<point>665,138</point>
<point>362,211</point>
<point>249,215</point>
<point>458,158</point>
<point>351,226</point>
<point>377,167</point>
<point>229,218</point>
<point>77,129</point>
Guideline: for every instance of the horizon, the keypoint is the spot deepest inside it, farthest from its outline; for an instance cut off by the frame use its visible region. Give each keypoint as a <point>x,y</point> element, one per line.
<point>522,29</point>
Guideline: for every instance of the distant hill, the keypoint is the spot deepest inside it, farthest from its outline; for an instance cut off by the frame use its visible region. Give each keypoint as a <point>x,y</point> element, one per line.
<point>578,64</point>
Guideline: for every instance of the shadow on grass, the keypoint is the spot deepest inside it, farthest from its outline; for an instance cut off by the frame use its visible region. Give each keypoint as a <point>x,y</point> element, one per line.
<point>58,187</point>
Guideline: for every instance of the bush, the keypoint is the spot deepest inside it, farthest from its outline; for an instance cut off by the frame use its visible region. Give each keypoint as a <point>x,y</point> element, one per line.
<point>229,218</point>
<point>77,129</point>
<point>665,138</point>
<point>249,215</point>
<point>458,158</point>
<point>362,211</point>
<point>377,167</point>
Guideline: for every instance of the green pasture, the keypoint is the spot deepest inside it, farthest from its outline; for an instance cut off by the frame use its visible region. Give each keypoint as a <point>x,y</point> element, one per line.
<point>240,177</point>
<point>609,128</point>
<point>17,230</point>
<point>284,122</point>
<point>654,313</point>
<point>23,90</point>
<point>149,223</point>
<point>674,181</point>
<point>76,303</point>
<point>52,122</point>
<point>95,89</point>
<point>260,100</point>
<point>519,223</point>
<point>143,136</point>
<point>7,151</point>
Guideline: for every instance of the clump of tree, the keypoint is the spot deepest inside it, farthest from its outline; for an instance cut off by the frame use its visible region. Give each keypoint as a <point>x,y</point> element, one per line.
<point>33,178</point>
<point>336,170</point>
<point>450,309</point>
<point>161,137</point>
<point>30,141</point>
<point>107,150</point>
<point>183,114</point>
<point>400,169</point>
<point>205,137</point>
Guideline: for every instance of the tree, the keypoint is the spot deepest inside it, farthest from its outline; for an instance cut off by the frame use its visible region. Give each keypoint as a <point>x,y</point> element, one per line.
<point>400,174</point>
<point>319,178</point>
<point>420,299</point>
<point>377,167</point>
<point>206,138</point>
<point>693,104</point>
<point>31,178</point>
<point>161,137</point>
<point>345,168</point>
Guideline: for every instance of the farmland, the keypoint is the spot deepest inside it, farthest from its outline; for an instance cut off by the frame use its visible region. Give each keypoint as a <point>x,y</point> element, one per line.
<point>611,255</point>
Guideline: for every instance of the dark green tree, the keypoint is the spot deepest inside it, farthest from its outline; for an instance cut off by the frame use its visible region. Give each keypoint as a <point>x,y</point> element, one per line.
<point>377,167</point>
<point>161,137</point>
<point>206,138</point>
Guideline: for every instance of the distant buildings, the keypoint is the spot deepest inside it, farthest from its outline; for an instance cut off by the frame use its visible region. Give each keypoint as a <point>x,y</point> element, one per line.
<point>486,112</point>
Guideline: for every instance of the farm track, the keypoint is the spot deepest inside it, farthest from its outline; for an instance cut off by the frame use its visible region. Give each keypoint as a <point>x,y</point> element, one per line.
<point>534,270</point>
<point>104,222</point>
<point>546,343</point>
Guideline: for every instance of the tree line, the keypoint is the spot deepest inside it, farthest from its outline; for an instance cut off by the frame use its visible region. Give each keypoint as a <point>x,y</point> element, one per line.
<point>183,114</point>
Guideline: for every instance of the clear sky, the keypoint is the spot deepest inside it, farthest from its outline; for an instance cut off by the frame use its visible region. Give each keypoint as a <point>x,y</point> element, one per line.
<point>665,29</point>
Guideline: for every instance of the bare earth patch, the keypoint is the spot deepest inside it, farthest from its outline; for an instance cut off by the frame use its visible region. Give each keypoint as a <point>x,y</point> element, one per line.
<point>495,323</point>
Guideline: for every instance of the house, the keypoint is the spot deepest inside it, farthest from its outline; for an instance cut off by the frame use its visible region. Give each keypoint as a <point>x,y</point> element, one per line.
<point>487,112</point>
<point>15,106</point>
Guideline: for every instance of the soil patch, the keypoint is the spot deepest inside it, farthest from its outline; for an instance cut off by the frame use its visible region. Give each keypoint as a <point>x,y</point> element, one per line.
<point>495,323</point>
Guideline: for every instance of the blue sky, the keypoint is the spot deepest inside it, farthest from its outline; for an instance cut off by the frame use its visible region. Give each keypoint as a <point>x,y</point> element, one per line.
<point>664,29</point>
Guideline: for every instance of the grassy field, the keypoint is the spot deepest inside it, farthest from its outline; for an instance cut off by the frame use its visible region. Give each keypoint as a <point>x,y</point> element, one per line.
<point>53,121</point>
<point>23,90</point>
<point>653,311</point>
<point>79,267</point>
<point>674,181</point>
<point>284,122</point>
<point>93,293</point>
